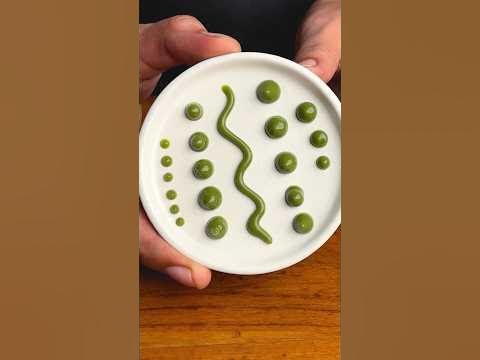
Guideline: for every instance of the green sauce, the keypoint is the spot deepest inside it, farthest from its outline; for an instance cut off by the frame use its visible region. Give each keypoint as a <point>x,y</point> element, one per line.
<point>319,138</point>
<point>285,163</point>
<point>198,141</point>
<point>168,177</point>
<point>306,112</point>
<point>294,196</point>
<point>171,194</point>
<point>166,161</point>
<point>202,169</point>
<point>253,223</point>
<point>323,162</point>
<point>174,209</point>
<point>276,127</point>
<point>302,223</point>
<point>193,111</point>
<point>164,143</point>
<point>216,228</point>
<point>268,91</point>
<point>210,198</point>
<point>180,221</point>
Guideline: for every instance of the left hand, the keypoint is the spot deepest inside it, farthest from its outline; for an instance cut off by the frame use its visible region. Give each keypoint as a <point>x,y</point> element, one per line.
<point>319,39</point>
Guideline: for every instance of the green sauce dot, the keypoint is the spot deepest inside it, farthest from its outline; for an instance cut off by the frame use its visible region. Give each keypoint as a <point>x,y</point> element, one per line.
<point>276,127</point>
<point>164,144</point>
<point>202,169</point>
<point>180,221</point>
<point>294,196</point>
<point>193,111</point>
<point>198,141</point>
<point>174,209</point>
<point>171,194</point>
<point>323,162</point>
<point>166,161</point>
<point>302,223</point>
<point>216,228</point>
<point>306,112</point>
<point>209,198</point>
<point>319,138</point>
<point>268,91</point>
<point>285,162</point>
<point>168,177</point>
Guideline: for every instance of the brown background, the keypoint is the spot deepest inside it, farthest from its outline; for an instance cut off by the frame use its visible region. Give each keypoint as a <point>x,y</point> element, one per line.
<point>69,266</point>
<point>69,127</point>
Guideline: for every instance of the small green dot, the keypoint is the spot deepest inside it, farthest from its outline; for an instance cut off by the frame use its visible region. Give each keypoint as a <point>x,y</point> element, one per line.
<point>285,162</point>
<point>180,221</point>
<point>276,127</point>
<point>268,91</point>
<point>306,112</point>
<point>166,161</point>
<point>202,169</point>
<point>193,111</point>
<point>294,196</point>
<point>216,228</point>
<point>302,223</point>
<point>323,162</point>
<point>210,198</point>
<point>171,194</point>
<point>174,209</point>
<point>198,141</point>
<point>319,138</point>
<point>168,177</point>
<point>164,144</point>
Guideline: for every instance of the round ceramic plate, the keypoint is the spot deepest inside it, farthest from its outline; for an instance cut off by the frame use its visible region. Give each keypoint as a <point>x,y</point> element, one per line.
<point>239,252</point>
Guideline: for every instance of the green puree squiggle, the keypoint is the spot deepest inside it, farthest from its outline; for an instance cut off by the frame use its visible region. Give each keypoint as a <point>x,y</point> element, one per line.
<point>253,223</point>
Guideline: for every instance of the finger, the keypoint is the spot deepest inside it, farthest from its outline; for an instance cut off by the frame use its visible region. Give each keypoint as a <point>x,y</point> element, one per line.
<point>319,40</point>
<point>157,254</point>
<point>174,41</point>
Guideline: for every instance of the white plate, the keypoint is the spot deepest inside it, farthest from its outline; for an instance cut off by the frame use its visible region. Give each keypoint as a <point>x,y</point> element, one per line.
<point>239,252</point>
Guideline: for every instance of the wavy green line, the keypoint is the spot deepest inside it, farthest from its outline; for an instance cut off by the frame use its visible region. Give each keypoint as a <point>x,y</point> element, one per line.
<point>253,223</point>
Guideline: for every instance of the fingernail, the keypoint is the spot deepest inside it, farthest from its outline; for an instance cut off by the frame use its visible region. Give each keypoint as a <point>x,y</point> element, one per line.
<point>181,274</point>
<point>308,62</point>
<point>216,35</point>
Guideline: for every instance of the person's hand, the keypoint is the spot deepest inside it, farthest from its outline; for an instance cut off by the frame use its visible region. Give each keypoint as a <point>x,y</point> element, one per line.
<point>162,45</point>
<point>319,39</point>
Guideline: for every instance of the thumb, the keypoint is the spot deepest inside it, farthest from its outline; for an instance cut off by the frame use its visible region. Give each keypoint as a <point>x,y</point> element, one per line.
<point>175,41</point>
<point>319,40</point>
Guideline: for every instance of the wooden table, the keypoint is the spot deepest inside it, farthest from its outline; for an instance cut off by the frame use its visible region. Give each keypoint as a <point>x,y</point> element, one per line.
<point>290,314</point>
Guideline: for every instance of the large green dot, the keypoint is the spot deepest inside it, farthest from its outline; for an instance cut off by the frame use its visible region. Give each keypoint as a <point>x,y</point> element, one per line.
<point>202,169</point>
<point>276,127</point>
<point>198,141</point>
<point>174,209</point>
<point>171,194</point>
<point>210,198</point>
<point>323,162</point>
<point>216,228</point>
<point>193,111</point>
<point>166,161</point>
<point>306,112</point>
<point>319,138</point>
<point>164,143</point>
<point>180,221</point>
<point>302,223</point>
<point>268,91</point>
<point>285,162</point>
<point>167,177</point>
<point>294,196</point>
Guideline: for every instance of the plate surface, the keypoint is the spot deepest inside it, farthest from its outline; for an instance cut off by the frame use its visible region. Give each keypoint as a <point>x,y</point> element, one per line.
<point>239,252</point>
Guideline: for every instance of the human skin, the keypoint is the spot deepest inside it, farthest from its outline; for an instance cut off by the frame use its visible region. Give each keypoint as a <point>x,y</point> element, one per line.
<point>184,40</point>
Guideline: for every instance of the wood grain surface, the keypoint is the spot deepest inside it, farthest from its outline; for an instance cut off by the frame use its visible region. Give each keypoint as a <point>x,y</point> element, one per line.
<point>290,314</point>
